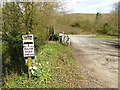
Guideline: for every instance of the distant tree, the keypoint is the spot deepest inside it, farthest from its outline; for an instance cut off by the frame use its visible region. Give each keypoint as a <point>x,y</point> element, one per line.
<point>98,16</point>
<point>113,19</point>
<point>97,22</point>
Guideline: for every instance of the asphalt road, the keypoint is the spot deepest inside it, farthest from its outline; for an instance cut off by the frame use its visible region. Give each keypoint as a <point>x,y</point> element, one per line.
<point>97,60</point>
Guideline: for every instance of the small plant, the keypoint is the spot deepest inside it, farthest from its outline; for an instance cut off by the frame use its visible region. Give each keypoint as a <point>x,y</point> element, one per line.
<point>39,73</point>
<point>79,77</point>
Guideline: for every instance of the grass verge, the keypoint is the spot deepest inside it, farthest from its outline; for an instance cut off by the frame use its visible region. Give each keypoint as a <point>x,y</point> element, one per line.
<point>56,68</point>
<point>104,36</point>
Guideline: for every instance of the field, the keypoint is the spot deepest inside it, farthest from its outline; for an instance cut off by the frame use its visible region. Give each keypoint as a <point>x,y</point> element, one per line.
<point>85,24</point>
<point>64,22</point>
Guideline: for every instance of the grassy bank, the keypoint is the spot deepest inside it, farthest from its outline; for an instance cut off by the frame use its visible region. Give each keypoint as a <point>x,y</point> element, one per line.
<point>104,36</point>
<point>55,69</point>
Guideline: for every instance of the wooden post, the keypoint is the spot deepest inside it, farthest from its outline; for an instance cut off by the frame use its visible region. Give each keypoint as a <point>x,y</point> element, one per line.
<point>29,65</point>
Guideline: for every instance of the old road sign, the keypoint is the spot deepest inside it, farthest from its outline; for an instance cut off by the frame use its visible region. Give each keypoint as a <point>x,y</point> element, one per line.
<point>28,45</point>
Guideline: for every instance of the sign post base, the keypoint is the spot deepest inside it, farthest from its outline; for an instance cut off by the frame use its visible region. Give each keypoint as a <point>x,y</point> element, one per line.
<point>29,65</point>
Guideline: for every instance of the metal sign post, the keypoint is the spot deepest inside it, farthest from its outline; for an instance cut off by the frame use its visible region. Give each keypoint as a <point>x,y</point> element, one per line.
<point>28,49</point>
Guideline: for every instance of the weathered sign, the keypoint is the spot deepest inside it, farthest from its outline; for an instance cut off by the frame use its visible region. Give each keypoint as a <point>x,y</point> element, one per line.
<point>28,45</point>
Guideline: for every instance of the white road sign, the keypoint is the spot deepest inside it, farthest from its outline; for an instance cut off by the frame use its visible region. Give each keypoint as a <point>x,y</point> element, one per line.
<point>28,45</point>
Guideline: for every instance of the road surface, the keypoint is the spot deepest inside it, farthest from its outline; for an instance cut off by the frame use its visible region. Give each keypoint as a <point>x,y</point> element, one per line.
<point>97,60</point>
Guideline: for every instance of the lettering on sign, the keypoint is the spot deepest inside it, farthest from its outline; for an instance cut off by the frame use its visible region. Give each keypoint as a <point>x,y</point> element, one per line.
<point>28,45</point>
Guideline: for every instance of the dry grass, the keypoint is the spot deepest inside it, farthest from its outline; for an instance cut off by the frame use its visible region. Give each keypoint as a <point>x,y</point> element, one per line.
<point>71,30</point>
<point>67,29</point>
<point>86,22</point>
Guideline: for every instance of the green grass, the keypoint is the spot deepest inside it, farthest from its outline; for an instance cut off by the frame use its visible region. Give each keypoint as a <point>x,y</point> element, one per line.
<point>56,68</point>
<point>79,77</point>
<point>61,64</point>
<point>104,36</point>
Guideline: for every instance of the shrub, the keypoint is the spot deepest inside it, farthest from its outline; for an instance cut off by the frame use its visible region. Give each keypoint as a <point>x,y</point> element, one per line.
<point>75,25</point>
<point>107,28</point>
<point>12,47</point>
<point>54,37</point>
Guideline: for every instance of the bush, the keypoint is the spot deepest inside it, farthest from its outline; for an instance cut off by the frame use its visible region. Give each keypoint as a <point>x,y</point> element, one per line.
<point>12,47</point>
<point>54,37</point>
<point>107,28</point>
<point>15,81</point>
<point>75,25</point>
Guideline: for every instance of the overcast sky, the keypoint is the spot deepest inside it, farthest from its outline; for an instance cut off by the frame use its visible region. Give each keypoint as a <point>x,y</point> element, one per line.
<point>85,6</point>
<point>89,6</point>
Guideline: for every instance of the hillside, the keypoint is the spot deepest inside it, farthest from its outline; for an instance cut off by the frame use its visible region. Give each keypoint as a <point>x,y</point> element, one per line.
<point>87,23</point>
